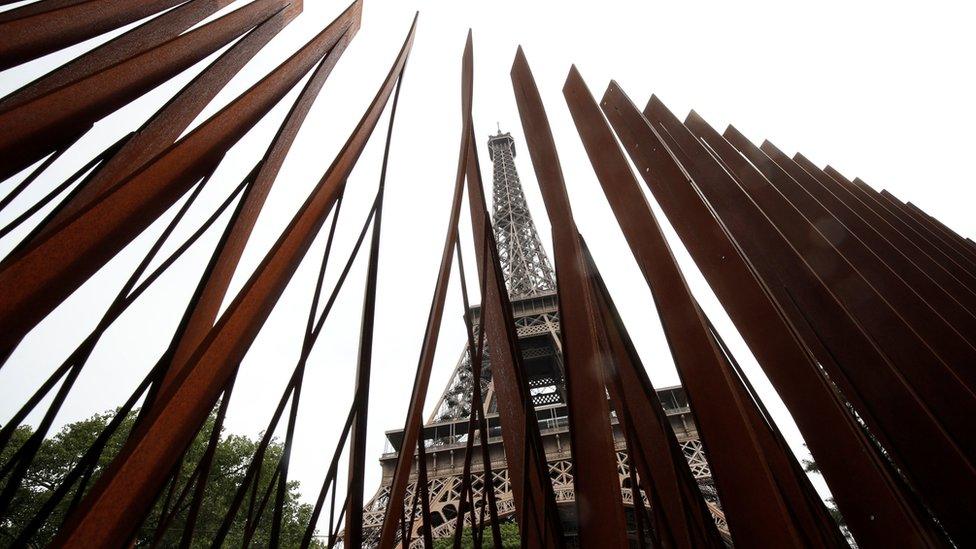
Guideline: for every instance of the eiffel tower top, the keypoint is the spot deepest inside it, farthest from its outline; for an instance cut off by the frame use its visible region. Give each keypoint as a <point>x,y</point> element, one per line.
<point>523,259</point>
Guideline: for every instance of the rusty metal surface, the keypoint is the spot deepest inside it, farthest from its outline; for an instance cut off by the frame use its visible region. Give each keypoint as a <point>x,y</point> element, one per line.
<point>938,224</point>
<point>860,309</point>
<point>414,421</point>
<point>51,268</point>
<point>36,127</point>
<point>127,488</point>
<point>918,377</point>
<point>754,507</point>
<point>894,411</point>
<point>682,517</point>
<point>835,300</point>
<point>840,227</point>
<point>132,42</point>
<point>963,290</point>
<point>867,287</point>
<point>166,125</point>
<point>865,489</point>
<point>929,232</point>
<point>853,192</point>
<point>212,294</point>
<point>598,501</point>
<point>527,468</point>
<point>907,225</point>
<point>31,32</point>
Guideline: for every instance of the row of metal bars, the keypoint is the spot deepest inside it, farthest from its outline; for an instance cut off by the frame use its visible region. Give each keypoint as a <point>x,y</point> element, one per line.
<point>859,308</point>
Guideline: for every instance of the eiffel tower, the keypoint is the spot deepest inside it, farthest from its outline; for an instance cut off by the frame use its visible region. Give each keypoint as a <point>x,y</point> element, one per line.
<point>531,285</point>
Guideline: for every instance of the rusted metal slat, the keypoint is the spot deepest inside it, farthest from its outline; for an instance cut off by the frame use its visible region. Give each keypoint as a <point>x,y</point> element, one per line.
<point>841,230</point>
<point>36,127</point>
<point>50,269</point>
<point>937,253</point>
<point>33,8</point>
<point>166,125</point>
<point>213,292</point>
<point>805,503</point>
<point>941,226</point>
<point>867,287</point>
<point>929,230</point>
<point>917,374</point>
<point>961,284</point>
<point>32,33</point>
<point>598,501</point>
<point>128,487</point>
<point>357,438</point>
<point>682,517</point>
<point>750,223</point>
<point>477,404</point>
<point>907,353</point>
<point>414,419</point>
<point>527,467</point>
<point>866,491</point>
<point>911,227</point>
<point>135,41</point>
<point>752,502</point>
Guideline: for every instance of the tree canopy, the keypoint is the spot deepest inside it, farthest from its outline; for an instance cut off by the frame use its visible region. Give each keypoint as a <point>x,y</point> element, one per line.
<point>61,452</point>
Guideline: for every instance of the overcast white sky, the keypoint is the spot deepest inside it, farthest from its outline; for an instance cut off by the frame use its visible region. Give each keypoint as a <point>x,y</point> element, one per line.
<point>881,91</point>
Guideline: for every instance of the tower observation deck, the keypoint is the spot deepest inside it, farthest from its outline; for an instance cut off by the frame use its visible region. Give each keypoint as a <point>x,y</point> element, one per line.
<point>531,284</point>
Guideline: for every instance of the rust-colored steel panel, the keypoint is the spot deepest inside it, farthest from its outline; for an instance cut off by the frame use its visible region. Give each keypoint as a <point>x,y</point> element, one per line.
<point>788,178</point>
<point>357,439</point>
<point>803,500</point>
<point>600,511</point>
<point>32,33</point>
<point>937,253</point>
<point>919,376</point>
<point>868,259</point>
<point>961,284</point>
<point>901,419</point>
<point>527,468</point>
<point>47,271</point>
<point>750,224</point>
<point>927,229</point>
<point>34,8</point>
<point>684,520</point>
<point>214,291</point>
<point>751,500</point>
<point>866,286</point>
<point>164,127</point>
<point>414,421</point>
<point>614,173</point>
<point>143,37</point>
<point>864,487</point>
<point>941,226</point>
<point>37,127</point>
<point>126,490</point>
<point>477,404</point>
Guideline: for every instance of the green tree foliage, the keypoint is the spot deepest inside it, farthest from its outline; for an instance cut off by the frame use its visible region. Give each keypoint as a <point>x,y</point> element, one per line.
<point>509,531</point>
<point>61,452</point>
<point>810,466</point>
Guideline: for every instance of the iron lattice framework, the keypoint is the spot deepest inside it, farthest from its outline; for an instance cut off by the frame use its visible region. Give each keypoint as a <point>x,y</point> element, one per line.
<point>523,260</point>
<point>537,327</point>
